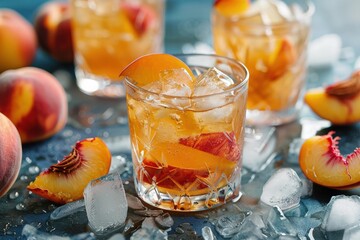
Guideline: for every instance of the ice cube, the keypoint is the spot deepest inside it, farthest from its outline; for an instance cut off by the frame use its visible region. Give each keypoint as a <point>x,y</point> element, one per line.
<point>104,8</point>
<point>271,11</point>
<point>324,51</point>
<point>67,209</point>
<point>283,189</point>
<point>342,212</point>
<point>105,203</point>
<point>149,231</point>
<point>229,224</point>
<point>207,233</point>
<point>164,221</point>
<point>117,236</point>
<point>352,232</point>
<point>211,82</point>
<point>31,232</point>
<point>277,221</point>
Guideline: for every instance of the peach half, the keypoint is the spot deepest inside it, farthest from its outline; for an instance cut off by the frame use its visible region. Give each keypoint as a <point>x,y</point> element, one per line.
<point>321,162</point>
<point>34,101</point>
<point>146,69</point>
<point>339,102</point>
<point>53,30</point>
<point>18,41</point>
<point>65,181</point>
<point>10,154</point>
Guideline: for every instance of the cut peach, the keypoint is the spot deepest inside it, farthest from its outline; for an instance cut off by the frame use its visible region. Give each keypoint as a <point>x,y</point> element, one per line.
<point>65,181</point>
<point>219,144</point>
<point>172,164</point>
<point>147,69</point>
<point>339,102</point>
<point>231,7</point>
<point>321,162</point>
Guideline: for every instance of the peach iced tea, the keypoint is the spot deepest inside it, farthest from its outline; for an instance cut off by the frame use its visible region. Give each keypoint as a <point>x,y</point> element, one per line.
<point>270,37</point>
<point>186,129</point>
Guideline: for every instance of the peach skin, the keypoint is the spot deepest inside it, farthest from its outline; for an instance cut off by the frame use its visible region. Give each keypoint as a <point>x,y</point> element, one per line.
<point>339,102</point>
<point>34,101</point>
<point>66,180</point>
<point>17,41</point>
<point>321,162</point>
<point>10,154</point>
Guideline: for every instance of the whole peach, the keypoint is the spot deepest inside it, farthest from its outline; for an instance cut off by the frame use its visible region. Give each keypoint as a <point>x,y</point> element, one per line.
<point>10,154</point>
<point>53,30</point>
<point>34,101</point>
<point>18,41</point>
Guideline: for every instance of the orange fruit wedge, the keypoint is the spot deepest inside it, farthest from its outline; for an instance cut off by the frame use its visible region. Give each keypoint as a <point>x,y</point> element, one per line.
<point>231,7</point>
<point>147,69</point>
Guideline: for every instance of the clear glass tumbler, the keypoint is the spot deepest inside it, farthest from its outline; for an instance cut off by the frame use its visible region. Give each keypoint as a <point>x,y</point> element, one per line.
<point>270,37</point>
<point>108,35</point>
<point>187,150</point>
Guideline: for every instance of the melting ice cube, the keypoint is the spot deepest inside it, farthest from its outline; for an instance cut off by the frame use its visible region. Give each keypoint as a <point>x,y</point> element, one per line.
<point>324,51</point>
<point>31,232</point>
<point>352,233</point>
<point>342,212</point>
<point>67,209</point>
<point>105,203</point>
<point>271,11</point>
<point>283,189</point>
<point>279,223</point>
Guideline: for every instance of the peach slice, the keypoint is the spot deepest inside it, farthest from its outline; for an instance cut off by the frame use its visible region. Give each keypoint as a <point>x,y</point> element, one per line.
<point>339,102</point>
<point>163,165</point>
<point>65,181</point>
<point>231,7</point>
<point>321,162</point>
<point>147,69</point>
<point>219,144</point>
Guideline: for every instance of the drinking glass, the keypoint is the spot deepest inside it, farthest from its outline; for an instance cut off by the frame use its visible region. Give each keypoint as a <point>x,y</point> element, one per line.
<point>187,150</point>
<point>108,35</point>
<point>271,39</point>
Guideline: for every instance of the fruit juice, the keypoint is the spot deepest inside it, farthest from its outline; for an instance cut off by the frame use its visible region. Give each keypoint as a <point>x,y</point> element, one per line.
<point>187,147</point>
<point>270,38</point>
<point>109,34</point>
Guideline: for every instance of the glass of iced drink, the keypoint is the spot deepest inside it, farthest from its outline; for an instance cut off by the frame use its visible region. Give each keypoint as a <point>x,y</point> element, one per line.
<point>108,35</point>
<point>270,37</point>
<point>186,119</point>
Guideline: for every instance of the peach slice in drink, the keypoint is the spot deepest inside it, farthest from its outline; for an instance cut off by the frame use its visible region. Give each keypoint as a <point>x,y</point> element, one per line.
<point>174,165</point>
<point>231,7</point>
<point>148,68</point>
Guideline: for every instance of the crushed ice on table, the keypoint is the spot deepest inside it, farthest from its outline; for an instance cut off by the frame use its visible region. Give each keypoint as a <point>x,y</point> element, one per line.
<point>31,232</point>
<point>68,209</point>
<point>105,203</point>
<point>283,189</point>
<point>324,51</point>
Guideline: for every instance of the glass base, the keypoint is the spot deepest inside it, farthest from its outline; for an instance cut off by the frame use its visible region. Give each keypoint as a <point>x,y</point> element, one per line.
<point>271,118</point>
<point>98,86</point>
<point>183,203</point>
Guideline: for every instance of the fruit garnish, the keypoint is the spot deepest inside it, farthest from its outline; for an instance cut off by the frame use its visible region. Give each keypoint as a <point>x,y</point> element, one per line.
<point>147,69</point>
<point>321,162</point>
<point>173,165</point>
<point>219,144</point>
<point>65,181</point>
<point>339,102</point>
<point>231,7</point>
<point>141,16</point>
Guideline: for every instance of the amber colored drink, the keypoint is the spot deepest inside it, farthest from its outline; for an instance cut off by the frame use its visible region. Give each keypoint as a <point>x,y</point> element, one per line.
<point>270,38</point>
<point>187,149</point>
<point>108,35</point>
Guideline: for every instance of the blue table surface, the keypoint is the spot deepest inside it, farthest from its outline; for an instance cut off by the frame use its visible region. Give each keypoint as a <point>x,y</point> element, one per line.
<point>186,22</point>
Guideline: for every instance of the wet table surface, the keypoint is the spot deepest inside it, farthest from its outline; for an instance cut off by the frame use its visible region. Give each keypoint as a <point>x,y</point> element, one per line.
<point>106,118</point>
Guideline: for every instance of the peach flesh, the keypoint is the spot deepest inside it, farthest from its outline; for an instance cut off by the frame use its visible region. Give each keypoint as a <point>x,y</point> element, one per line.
<point>10,154</point>
<point>34,101</point>
<point>322,162</point>
<point>65,181</point>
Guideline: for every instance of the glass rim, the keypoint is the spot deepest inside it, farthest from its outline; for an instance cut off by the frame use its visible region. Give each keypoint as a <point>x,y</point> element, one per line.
<point>234,87</point>
<point>237,18</point>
